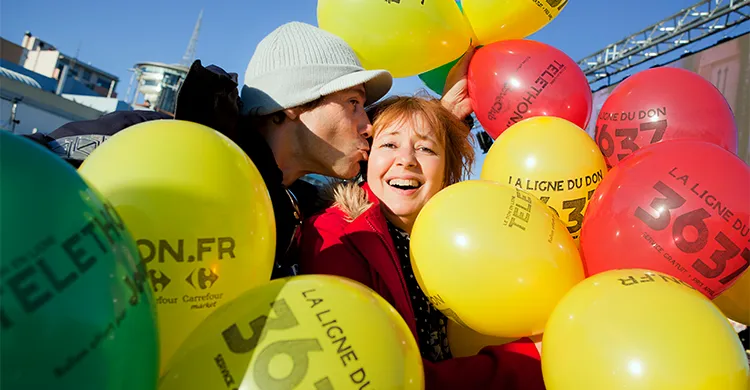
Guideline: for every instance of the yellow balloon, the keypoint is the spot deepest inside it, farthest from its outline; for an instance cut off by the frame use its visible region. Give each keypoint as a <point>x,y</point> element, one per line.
<point>553,159</point>
<point>199,211</point>
<point>464,341</point>
<point>303,332</point>
<point>640,330</point>
<point>493,258</point>
<point>406,37</point>
<point>498,20</point>
<point>735,301</point>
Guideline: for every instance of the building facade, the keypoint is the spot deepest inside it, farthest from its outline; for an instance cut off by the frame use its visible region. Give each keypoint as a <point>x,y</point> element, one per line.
<point>44,58</point>
<point>42,89</point>
<point>28,106</point>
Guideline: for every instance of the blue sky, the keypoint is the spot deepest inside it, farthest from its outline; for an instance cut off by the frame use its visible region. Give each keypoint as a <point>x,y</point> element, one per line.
<point>113,36</point>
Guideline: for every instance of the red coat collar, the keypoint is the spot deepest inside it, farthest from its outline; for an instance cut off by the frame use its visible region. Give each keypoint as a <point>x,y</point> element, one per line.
<point>368,235</point>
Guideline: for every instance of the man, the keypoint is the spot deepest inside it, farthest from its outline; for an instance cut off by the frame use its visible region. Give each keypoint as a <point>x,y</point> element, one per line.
<point>301,111</point>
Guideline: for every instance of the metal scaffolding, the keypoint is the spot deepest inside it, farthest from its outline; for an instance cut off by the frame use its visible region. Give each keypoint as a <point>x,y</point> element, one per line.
<point>189,56</point>
<point>684,28</point>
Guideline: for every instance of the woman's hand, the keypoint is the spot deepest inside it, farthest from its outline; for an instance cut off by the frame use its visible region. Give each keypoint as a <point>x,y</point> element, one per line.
<point>456,91</point>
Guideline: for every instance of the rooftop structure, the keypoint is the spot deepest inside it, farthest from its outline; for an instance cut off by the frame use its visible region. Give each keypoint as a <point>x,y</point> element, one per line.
<point>157,85</point>
<point>44,58</point>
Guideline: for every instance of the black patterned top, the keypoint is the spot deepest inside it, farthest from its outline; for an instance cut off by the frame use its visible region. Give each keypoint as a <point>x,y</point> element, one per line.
<point>431,323</point>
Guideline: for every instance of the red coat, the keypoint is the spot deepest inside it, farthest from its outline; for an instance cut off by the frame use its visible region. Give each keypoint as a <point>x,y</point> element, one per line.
<point>351,239</point>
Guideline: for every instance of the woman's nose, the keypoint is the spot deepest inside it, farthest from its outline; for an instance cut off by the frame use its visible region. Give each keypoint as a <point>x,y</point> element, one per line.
<point>406,157</point>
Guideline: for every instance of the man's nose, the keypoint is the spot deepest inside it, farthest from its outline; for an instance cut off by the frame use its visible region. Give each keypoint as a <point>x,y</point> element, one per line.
<point>365,130</point>
<point>364,126</point>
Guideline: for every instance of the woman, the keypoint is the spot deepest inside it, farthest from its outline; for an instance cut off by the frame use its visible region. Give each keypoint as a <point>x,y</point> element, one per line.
<point>418,148</point>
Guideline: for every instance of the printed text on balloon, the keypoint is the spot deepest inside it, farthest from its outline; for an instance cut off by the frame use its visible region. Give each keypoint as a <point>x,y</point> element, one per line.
<point>559,185</point>
<point>576,207</point>
<point>551,3</point>
<point>421,2</point>
<point>34,280</point>
<point>726,250</point>
<point>560,4</point>
<point>627,143</point>
<point>520,210</point>
<point>660,249</point>
<point>224,246</point>
<point>649,277</point>
<point>552,72</point>
<point>297,349</point>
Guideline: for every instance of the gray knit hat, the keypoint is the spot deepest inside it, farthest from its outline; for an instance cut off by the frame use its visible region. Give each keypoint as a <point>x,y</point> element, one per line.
<point>298,63</point>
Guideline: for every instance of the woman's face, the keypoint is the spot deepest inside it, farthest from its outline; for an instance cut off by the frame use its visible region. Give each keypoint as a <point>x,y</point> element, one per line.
<point>405,169</point>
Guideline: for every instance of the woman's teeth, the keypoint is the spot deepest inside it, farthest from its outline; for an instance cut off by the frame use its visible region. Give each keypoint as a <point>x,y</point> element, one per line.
<point>404,183</point>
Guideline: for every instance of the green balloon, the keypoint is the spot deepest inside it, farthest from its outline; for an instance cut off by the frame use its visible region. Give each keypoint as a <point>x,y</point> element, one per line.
<point>75,309</point>
<point>435,79</point>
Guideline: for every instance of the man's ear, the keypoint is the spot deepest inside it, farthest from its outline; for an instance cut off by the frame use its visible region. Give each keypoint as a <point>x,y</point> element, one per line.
<point>293,113</point>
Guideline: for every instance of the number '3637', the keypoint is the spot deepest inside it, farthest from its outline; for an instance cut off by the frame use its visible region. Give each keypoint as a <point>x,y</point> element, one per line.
<point>661,217</point>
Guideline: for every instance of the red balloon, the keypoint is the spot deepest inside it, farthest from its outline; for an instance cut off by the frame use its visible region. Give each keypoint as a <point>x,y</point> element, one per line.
<point>517,79</point>
<point>663,104</point>
<point>678,207</point>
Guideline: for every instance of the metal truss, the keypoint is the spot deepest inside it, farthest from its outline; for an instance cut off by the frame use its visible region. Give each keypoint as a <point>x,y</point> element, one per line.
<point>688,26</point>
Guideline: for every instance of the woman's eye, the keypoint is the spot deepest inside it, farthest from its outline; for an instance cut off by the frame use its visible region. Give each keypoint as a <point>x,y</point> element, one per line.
<point>426,150</point>
<point>388,145</point>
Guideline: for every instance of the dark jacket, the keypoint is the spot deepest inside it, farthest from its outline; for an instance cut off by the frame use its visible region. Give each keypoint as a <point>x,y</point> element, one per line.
<point>351,239</point>
<point>208,96</point>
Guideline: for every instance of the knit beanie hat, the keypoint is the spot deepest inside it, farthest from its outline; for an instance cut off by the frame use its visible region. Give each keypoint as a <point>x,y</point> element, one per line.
<point>298,63</point>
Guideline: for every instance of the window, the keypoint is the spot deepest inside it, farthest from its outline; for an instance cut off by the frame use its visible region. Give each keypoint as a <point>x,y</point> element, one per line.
<point>171,79</point>
<point>102,82</point>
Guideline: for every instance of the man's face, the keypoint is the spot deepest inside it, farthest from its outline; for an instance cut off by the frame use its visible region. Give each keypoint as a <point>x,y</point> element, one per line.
<point>340,128</point>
